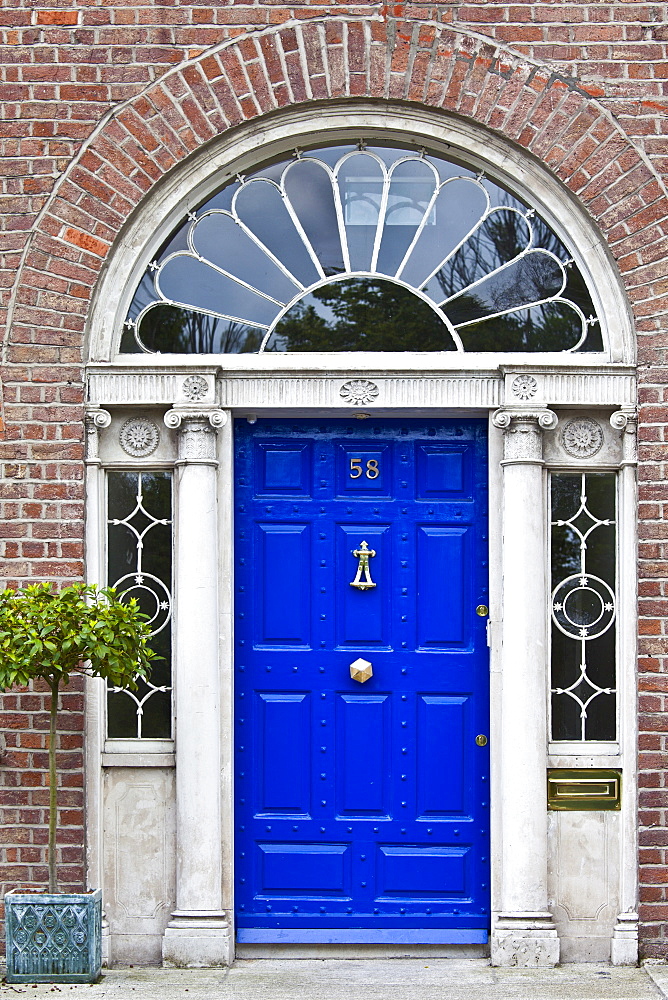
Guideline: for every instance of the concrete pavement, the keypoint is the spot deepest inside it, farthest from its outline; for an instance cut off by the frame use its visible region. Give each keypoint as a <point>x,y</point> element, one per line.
<point>363,979</point>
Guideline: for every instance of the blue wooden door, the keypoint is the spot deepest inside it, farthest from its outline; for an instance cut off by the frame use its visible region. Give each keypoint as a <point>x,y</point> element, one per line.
<point>362,808</point>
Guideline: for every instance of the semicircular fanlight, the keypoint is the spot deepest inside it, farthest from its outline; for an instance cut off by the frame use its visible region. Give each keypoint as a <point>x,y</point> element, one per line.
<point>356,249</point>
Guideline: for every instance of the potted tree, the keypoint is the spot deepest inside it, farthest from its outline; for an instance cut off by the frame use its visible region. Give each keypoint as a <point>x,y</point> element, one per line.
<point>48,635</point>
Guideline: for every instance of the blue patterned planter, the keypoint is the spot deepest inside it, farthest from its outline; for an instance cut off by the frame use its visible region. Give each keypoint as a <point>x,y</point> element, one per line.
<point>53,938</point>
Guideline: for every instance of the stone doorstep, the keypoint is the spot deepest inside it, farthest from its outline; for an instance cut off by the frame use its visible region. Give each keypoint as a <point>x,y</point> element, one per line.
<point>382,979</point>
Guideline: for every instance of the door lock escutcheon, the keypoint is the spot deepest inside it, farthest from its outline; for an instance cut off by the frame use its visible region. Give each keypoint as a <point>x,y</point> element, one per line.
<point>482,610</point>
<point>481,740</point>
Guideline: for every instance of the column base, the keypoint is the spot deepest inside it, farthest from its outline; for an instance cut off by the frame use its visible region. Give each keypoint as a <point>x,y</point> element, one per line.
<point>525,939</point>
<point>624,944</point>
<point>197,939</point>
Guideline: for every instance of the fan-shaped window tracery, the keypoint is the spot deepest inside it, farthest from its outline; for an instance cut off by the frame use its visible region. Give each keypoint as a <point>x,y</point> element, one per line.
<point>353,249</point>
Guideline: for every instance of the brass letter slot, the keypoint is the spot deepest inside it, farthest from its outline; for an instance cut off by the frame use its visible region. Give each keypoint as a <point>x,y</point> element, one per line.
<point>575,788</point>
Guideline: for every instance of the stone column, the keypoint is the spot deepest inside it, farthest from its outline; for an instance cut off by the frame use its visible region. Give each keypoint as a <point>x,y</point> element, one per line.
<point>524,933</point>
<point>198,935</point>
<point>624,944</point>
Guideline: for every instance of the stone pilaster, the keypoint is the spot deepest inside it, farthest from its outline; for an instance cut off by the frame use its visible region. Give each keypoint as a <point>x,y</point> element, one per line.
<point>624,944</point>
<point>524,933</point>
<point>199,933</point>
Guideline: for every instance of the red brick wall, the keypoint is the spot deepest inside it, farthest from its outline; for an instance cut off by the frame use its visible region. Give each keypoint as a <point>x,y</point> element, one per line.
<point>99,101</point>
<point>24,789</point>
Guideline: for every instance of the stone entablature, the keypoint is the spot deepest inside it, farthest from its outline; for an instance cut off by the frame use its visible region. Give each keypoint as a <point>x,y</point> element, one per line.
<point>249,387</point>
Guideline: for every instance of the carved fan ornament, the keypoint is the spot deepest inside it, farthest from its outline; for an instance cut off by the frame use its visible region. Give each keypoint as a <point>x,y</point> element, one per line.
<point>359,392</point>
<point>480,263</point>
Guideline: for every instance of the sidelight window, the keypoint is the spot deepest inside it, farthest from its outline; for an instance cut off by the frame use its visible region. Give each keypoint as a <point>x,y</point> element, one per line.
<point>583,606</point>
<point>139,565</point>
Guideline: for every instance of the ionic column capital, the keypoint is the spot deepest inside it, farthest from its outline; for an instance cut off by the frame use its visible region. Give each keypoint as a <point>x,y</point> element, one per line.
<point>523,432</point>
<point>182,415</point>
<point>626,421</point>
<point>95,420</point>
<point>197,427</point>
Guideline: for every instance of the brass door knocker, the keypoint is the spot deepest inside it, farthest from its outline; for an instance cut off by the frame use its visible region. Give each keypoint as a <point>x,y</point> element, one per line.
<point>363,553</point>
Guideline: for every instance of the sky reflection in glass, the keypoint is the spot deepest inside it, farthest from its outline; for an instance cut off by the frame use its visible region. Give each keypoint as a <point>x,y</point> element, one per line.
<point>315,251</point>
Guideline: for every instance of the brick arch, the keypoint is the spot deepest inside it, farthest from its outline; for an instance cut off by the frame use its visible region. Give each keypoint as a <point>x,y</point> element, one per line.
<point>428,64</point>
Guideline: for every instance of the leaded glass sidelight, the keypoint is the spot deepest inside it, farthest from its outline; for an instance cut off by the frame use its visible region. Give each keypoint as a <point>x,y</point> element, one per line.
<point>583,611</point>
<point>139,564</point>
<point>362,249</point>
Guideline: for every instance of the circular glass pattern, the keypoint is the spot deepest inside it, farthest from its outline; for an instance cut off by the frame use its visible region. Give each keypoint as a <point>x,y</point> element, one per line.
<point>152,596</point>
<point>583,606</point>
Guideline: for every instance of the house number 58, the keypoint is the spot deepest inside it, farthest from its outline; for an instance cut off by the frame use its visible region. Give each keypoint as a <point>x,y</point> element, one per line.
<point>356,468</point>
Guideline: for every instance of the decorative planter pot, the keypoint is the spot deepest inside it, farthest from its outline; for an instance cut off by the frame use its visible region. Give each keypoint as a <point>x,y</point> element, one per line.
<point>53,937</point>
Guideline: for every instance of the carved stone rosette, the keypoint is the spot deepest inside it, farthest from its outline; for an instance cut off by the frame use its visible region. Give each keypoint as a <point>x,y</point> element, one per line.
<point>139,437</point>
<point>359,392</point>
<point>582,437</point>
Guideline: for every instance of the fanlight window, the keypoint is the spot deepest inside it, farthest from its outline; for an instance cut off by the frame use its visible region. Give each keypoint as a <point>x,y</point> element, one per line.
<point>360,249</point>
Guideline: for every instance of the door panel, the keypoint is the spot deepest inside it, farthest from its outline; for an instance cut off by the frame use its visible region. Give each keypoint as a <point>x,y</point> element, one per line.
<point>363,761</point>
<point>284,552</point>
<point>442,562</point>
<point>361,808</point>
<point>441,763</point>
<point>362,623</point>
<point>284,746</point>
<point>433,872</point>
<point>304,868</point>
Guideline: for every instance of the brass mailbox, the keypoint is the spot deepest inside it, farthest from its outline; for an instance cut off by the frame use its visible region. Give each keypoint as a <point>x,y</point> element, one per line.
<point>579,788</point>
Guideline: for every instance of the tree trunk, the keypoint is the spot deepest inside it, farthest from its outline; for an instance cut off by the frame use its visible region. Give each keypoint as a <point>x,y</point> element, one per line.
<point>53,788</point>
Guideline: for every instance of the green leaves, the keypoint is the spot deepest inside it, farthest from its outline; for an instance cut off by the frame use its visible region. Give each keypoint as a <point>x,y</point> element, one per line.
<point>49,634</point>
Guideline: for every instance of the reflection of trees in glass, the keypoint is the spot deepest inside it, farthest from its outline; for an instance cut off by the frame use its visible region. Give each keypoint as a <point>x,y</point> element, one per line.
<point>134,565</point>
<point>511,259</point>
<point>580,664</point>
<point>361,314</point>
<point>168,328</point>
<point>552,326</point>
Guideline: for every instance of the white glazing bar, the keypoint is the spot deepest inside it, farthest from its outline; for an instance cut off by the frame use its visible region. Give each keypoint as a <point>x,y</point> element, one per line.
<point>382,212</point>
